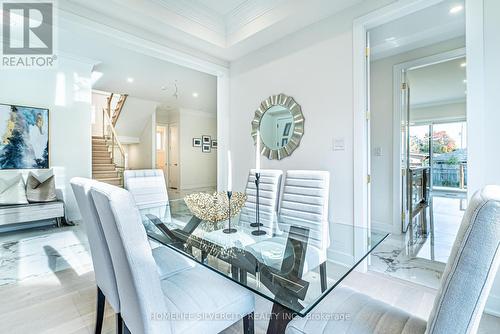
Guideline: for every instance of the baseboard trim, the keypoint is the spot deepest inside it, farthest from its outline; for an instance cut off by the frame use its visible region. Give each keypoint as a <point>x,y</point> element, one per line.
<point>194,186</point>
<point>339,257</point>
<point>381,226</point>
<point>493,305</point>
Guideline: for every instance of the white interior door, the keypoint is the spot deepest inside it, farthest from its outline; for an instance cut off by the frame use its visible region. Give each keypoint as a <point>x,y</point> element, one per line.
<point>162,149</point>
<point>173,156</point>
<point>405,152</point>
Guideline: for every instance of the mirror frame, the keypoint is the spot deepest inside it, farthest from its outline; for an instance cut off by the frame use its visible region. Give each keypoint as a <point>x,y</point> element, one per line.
<point>298,121</point>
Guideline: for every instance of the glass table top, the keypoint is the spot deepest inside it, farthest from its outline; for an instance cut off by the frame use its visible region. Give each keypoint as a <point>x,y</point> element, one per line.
<point>284,265</point>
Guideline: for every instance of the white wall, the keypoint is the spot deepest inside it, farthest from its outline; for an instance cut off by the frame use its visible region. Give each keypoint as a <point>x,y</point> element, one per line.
<point>381,130</point>
<point>483,79</point>
<point>99,101</point>
<point>141,155</point>
<point>134,128</point>
<point>197,169</point>
<point>314,66</point>
<point>135,117</point>
<point>66,92</point>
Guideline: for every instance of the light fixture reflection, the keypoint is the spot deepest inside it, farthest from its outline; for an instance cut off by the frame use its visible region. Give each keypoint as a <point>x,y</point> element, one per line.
<point>456,9</point>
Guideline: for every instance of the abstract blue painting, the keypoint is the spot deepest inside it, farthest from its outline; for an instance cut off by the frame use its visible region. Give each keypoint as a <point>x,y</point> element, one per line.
<point>24,137</point>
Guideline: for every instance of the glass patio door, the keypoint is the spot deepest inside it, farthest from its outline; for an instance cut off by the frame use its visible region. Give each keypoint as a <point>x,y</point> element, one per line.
<point>449,146</point>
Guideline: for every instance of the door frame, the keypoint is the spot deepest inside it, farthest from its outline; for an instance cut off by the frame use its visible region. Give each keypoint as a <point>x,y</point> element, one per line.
<point>396,121</point>
<point>178,153</point>
<point>165,144</point>
<point>361,26</point>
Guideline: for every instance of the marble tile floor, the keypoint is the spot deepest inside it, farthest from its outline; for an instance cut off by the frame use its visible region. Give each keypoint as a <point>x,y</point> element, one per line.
<point>58,294</point>
<point>41,251</point>
<point>423,262</point>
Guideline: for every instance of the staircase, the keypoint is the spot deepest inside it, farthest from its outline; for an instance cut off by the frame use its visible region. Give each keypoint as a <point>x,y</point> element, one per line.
<point>103,168</point>
<point>108,156</point>
<point>118,108</point>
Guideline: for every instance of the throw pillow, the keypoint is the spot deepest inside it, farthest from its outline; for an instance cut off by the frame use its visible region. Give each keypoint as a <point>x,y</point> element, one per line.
<point>41,187</point>
<point>12,191</point>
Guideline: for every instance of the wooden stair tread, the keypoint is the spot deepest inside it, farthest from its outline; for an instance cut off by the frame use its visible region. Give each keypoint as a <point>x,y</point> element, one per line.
<point>103,168</point>
<point>108,179</point>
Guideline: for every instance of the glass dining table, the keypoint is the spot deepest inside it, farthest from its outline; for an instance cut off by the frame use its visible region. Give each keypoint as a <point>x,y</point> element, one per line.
<point>279,265</point>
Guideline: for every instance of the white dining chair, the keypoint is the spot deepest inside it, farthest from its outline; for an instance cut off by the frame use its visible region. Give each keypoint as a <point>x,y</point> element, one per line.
<point>303,203</point>
<point>101,259</point>
<point>169,261</point>
<point>149,190</point>
<point>185,302</point>
<point>461,298</point>
<point>269,194</point>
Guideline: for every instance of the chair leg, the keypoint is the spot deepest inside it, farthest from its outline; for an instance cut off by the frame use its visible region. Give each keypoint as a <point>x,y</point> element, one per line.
<point>100,311</point>
<point>248,324</point>
<point>119,323</point>
<point>125,329</point>
<point>204,257</point>
<point>322,274</point>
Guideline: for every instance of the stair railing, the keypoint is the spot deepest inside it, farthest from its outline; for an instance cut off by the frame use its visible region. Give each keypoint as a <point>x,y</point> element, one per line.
<point>118,155</point>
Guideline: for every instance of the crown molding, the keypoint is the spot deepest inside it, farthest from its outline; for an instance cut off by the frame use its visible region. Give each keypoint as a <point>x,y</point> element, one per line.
<point>195,28</point>
<point>167,51</point>
<point>225,25</point>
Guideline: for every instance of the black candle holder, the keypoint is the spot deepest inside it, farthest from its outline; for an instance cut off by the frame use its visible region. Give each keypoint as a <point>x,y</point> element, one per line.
<point>257,223</point>
<point>229,230</point>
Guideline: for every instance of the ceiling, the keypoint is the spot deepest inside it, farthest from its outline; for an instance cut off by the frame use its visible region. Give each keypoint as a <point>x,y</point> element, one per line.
<point>441,83</point>
<point>225,29</point>
<point>428,26</point>
<point>154,79</point>
<point>171,85</point>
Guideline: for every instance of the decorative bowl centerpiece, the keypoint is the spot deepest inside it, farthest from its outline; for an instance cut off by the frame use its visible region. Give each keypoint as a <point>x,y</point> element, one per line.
<point>214,207</point>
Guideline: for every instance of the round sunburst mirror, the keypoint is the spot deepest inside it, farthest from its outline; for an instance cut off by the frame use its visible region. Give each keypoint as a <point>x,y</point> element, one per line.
<point>280,122</point>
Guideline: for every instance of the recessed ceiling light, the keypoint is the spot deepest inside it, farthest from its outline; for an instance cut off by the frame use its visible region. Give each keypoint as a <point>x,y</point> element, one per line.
<point>456,9</point>
<point>465,80</point>
<point>195,94</point>
<point>463,64</point>
<point>130,80</point>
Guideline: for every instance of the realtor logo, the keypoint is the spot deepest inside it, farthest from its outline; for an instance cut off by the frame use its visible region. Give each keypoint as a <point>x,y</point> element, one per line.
<point>28,35</point>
